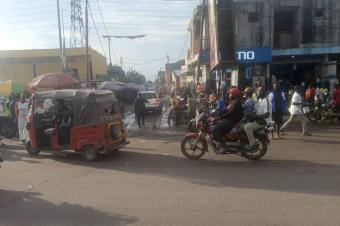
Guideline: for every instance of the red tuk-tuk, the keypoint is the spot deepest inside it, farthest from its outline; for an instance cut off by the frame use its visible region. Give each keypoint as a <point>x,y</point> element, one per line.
<point>86,121</point>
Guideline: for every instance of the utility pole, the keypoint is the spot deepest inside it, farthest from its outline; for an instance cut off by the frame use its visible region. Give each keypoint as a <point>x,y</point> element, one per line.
<point>64,42</point>
<point>60,41</point>
<point>121,62</point>
<point>87,42</point>
<point>109,41</point>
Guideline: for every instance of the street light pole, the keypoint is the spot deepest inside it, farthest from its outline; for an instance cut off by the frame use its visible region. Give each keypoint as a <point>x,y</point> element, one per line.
<point>120,36</point>
<point>60,40</point>
<point>87,42</point>
<point>109,40</point>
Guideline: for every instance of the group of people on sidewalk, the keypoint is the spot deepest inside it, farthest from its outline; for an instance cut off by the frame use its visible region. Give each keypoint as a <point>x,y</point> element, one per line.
<point>18,109</point>
<point>260,106</point>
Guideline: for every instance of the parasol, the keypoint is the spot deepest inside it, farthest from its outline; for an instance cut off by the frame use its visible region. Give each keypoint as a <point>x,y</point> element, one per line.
<point>53,81</point>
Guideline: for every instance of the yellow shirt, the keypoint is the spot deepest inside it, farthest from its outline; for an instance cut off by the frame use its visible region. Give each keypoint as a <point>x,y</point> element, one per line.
<point>173,102</point>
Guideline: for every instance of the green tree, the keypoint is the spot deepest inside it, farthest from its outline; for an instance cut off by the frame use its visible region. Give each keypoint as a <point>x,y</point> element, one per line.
<point>135,77</point>
<point>117,73</point>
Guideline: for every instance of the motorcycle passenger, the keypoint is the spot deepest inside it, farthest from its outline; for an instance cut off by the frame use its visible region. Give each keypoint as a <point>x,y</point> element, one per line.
<point>249,103</point>
<point>174,106</point>
<point>259,118</point>
<point>255,94</point>
<point>228,119</point>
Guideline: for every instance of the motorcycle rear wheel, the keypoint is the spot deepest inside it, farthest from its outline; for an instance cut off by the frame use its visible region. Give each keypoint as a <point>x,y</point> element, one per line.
<point>261,151</point>
<point>189,148</point>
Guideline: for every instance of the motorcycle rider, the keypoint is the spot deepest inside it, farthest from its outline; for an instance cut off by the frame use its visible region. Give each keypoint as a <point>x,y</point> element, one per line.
<point>259,118</point>
<point>228,119</point>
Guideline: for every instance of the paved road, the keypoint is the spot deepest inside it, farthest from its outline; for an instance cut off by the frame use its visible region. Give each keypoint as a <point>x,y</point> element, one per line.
<point>151,183</point>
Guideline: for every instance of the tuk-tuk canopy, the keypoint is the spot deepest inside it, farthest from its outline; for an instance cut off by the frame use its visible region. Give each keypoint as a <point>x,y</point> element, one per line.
<point>89,106</point>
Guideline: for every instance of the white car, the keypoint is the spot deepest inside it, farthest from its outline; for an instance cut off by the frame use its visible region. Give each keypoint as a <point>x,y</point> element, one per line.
<point>153,104</point>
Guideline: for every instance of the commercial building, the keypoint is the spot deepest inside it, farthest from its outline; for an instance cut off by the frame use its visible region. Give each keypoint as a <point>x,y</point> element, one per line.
<point>196,68</point>
<point>172,76</point>
<point>288,40</point>
<point>24,65</point>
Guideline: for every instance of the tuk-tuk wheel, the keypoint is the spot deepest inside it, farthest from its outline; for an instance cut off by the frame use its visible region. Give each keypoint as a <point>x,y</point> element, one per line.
<point>89,153</point>
<point>31,150</point>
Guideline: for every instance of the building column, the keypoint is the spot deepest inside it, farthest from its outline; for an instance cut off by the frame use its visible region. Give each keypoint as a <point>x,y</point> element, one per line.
<point>234,76</point>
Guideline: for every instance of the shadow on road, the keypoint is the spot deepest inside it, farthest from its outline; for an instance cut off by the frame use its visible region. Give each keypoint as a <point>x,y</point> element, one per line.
<point>277,175</point>
<point>27,208</point>
<point>10,153</point>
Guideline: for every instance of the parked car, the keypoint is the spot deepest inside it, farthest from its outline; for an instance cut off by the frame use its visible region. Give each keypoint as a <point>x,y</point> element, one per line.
<point>153,104</point>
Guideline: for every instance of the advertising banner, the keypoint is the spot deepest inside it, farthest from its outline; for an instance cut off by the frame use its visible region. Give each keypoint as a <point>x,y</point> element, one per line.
<point>213,41</point>
<point>254,55</point>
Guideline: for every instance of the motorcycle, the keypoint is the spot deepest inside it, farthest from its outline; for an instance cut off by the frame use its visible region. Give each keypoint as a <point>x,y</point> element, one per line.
<point>195,145</point>
<point>192,122</point>
<point>322,112</point>
<point>180,115</point>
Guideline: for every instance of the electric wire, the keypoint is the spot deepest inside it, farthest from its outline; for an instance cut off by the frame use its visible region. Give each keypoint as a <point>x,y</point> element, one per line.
<point>107,33</point>
<point>94,23</point>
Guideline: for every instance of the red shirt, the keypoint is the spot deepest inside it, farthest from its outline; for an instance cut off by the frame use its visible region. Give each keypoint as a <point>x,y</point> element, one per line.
<point>309,95</point>
<point>336,97</point>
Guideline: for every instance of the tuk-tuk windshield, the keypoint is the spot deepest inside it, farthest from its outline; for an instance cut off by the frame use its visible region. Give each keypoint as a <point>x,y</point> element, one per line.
<point>45,106</point>
<point>50,105</point>
<point>99,108</point>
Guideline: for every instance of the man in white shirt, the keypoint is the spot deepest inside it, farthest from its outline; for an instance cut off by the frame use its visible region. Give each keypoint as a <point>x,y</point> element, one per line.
<point>258,119</point>
<point>296,111</point>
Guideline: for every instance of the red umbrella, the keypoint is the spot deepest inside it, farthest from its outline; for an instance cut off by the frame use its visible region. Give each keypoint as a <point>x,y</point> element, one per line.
<point>53,81</point>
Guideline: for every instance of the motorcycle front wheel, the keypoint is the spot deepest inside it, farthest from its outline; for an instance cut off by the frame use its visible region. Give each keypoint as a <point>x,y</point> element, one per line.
<point>260,152</point>
<point>315,115</point>
<point>193,148</point>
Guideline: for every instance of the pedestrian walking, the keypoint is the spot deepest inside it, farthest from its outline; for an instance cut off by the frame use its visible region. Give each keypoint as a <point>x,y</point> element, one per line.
<point>279,106</point>
<point>22,110</point>
<point>295,110</point>
<point>140,110</point>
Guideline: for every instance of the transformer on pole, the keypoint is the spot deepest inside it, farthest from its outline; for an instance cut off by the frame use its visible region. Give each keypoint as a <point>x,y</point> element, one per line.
<point>77,25</point>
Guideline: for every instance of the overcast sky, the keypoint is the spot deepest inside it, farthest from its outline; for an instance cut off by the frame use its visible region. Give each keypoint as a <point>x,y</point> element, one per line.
<point>27,24</point>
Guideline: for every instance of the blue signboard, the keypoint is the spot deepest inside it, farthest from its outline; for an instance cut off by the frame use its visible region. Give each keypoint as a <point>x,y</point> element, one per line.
<point>254,55</point>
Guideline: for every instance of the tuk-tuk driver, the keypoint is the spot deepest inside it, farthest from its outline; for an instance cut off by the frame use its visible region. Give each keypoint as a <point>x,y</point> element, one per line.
<point>65,126</point>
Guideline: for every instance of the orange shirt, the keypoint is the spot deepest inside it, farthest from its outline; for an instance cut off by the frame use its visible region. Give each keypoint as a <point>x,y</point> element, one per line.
<point>309,95</point>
